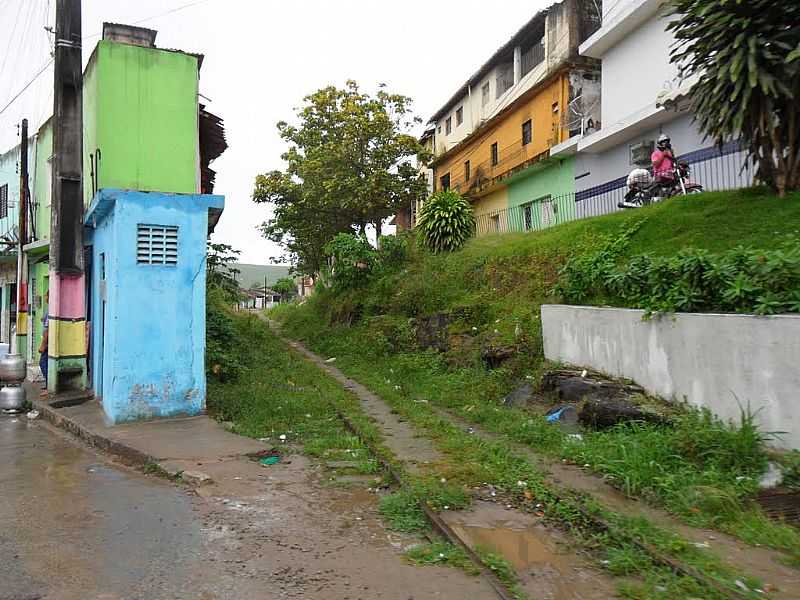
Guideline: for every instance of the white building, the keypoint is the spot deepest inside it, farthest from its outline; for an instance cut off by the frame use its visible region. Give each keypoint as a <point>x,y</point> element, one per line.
<point>642,96</point>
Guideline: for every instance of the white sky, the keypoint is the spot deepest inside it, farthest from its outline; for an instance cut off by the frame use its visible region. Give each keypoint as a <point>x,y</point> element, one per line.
<point>262,57</point>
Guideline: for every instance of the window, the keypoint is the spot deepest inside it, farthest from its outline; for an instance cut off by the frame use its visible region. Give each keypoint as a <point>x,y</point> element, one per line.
<point>485,94</point>
<point>444,181</point>
<point>495,222</point>
<point>448,125</point>
<point>495,154</point>
<point>156,245</point>
<point>548,210</point>
<point>527,132</point>
<point>467,171</point>
<point>640,153</point>
<point>527,212</point>
<point>3,201</point>
<point>505,78</point>
<point>439,129</point>
<point>459,116</point>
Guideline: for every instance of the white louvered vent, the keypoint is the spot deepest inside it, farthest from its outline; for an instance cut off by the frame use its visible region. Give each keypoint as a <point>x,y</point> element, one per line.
<point>156,245</point>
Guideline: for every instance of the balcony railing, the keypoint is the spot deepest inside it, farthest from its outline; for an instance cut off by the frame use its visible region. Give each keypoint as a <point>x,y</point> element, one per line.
<point>484,172</point>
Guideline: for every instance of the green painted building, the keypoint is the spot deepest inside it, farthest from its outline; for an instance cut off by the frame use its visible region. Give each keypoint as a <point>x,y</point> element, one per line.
<point>140,117</point>
<point>542,195</point>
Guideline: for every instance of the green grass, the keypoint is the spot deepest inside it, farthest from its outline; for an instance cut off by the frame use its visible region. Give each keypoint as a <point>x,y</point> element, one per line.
<point>701,470</point>
<point>442,553</point>
<point>278,391</point>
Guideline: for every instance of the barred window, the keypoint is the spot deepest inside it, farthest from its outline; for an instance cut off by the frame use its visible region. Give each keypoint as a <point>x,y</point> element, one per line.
<point>3,201</point>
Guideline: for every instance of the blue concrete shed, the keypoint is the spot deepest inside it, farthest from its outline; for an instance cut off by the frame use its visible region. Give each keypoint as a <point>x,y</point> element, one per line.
<point>147,298</point>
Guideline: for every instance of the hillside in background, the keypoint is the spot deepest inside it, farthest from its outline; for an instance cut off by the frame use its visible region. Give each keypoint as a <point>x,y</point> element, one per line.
<point>253,275</point>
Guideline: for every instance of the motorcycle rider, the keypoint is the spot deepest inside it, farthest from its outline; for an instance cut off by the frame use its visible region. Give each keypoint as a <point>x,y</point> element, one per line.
<point>663,159</point>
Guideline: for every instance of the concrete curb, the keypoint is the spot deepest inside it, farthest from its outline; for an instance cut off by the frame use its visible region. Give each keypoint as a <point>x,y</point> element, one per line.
<point>129,455</point>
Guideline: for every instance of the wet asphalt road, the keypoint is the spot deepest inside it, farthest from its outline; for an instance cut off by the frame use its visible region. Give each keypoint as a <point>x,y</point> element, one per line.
<point>74,526</point>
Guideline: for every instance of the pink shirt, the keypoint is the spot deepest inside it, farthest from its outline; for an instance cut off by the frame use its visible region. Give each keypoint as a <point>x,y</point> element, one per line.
<point>663,162</point>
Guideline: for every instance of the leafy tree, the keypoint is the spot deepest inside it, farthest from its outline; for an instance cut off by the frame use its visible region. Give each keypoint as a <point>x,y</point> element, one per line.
<point>446,221</point>
<point>220,272</point>
<point>286,287</point>
<point>352,260</point>
<point>349,164</point>
<point>748,55</point>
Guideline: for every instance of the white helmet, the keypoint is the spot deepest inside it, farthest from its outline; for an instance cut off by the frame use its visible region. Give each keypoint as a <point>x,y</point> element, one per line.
<point>639,177</point>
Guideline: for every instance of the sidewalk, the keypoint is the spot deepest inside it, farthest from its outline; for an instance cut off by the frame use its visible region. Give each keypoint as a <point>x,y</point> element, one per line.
<point>178,446</point>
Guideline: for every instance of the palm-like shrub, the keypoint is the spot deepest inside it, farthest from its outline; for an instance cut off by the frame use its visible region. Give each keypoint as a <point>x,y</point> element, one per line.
<point>747,53</point>
<point>445,222</point>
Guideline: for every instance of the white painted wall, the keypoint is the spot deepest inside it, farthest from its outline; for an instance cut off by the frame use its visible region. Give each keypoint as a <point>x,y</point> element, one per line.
<point>596,169</point>
<point>709,360</point>
<point>636,70</point>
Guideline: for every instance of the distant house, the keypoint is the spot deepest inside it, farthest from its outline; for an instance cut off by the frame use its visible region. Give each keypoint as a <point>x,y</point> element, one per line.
<point>258,299</point>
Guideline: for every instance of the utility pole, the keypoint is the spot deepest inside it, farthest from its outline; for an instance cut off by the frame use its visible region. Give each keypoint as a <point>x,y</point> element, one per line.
<point>67,338</point>
<point>22,238</point>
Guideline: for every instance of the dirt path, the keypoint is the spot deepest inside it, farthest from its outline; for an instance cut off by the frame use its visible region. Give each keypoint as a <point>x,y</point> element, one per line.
<point>548,568</point>
<point>400,437</point>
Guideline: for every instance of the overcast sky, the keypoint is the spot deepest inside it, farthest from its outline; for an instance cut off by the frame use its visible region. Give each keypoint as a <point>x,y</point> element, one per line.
<point>262,57</point>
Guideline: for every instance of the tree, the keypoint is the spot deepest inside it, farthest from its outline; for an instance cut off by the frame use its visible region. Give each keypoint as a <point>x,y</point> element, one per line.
<point>349,164</point>
<point>220,272</point>
<point>286,287</point>
<point>747,54</point>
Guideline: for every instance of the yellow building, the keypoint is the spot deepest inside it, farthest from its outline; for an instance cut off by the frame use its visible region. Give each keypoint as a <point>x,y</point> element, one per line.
<point>535,92</point>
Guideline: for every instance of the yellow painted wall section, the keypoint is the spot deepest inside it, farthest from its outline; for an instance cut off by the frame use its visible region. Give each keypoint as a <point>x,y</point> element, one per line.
<point>490,212</point>
<point>70,337</point>
<point>544,109</point>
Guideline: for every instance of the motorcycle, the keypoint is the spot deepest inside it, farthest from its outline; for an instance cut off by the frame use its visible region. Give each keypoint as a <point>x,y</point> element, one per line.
<point>644,190</point>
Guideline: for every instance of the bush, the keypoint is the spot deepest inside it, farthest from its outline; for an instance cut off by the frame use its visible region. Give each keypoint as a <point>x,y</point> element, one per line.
<point>393,251</point>
<point>741,280</point>
<point>224,360</point>
<point>446,222</point>
<point>353,260</point>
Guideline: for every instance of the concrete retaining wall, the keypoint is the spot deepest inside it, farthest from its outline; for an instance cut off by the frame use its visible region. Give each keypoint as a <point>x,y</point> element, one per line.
<point>710,360</point>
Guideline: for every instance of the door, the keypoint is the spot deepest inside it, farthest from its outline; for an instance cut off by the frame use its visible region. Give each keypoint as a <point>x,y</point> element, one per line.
<point>100,324</point>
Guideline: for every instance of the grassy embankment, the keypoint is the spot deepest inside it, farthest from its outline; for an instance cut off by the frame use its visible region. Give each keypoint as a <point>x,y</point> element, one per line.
<point>701,470</point>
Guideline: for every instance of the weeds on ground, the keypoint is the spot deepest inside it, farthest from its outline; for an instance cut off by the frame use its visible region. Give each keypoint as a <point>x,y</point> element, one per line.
<point>442,553</point>
<point>402,512</point>
<point>503,569</point>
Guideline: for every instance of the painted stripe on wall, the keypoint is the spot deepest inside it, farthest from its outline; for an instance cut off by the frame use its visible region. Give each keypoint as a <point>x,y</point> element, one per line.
<point>67,296</point>
<point>22,323</point>
<point>67,338</point>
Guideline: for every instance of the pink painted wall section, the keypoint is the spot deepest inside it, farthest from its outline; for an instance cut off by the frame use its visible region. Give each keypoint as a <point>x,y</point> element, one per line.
<point>67,300</point>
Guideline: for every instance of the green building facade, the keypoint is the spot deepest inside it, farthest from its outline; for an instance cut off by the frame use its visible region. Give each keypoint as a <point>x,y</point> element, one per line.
<point>542,195</point>
<point>140,117</point>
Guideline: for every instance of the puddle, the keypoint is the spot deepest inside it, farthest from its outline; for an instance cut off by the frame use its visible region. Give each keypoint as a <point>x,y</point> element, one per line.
<point>520,547</point>
<point>546,565</point>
